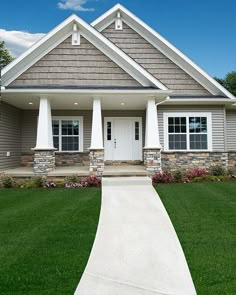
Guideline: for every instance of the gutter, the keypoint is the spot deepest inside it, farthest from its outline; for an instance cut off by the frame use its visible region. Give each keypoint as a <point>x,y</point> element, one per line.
<point>163,101</point>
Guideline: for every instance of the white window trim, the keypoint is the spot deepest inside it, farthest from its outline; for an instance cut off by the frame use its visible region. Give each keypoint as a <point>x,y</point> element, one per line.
<point>81,134</point>
<point>187,115</point>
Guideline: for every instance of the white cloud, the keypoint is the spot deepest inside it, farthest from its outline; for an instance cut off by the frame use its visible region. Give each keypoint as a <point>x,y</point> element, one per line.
<point>74,5</point>
<point>17,41</point>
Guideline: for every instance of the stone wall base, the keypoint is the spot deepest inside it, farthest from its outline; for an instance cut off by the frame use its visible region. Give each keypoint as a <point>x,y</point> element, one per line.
<point>72,159</point>
<point>96,166</point>
<point>232,159</point>
<point>172,161</point>
<point>61,159</point>
<point>152,160</point>
<point>44,162</point>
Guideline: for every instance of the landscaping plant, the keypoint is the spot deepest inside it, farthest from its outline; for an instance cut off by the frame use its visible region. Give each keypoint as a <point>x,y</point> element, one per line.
<point>7,181</point>
<point>217,170</point>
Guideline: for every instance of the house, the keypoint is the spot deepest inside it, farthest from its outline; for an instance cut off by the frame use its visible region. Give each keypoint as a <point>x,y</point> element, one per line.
<point>108,92</point>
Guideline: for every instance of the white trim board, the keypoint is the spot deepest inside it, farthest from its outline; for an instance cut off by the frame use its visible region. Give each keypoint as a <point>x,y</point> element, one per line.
<point>81,131</point>
<point>44,45</point>
<point>162,45</point>
<point>136,145</point>
<point>208,115</point>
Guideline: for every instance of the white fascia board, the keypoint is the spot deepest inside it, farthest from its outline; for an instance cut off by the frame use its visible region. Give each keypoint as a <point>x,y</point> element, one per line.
<point>147,92</point>
<point>63,31</point>
<point>165,47</point>
<point>199,101</point>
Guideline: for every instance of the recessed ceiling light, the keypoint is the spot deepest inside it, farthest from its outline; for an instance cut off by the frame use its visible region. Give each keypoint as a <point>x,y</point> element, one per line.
<point>76,103</point>
<point>122,103</point>
<point>30,103</point>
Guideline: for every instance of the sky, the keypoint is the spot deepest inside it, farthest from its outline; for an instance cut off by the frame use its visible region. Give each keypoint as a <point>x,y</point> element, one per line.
<point>204,30</point>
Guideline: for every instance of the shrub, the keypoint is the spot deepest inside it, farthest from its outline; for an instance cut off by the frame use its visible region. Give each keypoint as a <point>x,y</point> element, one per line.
<point>178,176</point>
<point>231,171</point>
<point>38,181</point>
<point>164,177</point>
<point>7,181</point>
<point>195,173</point>
<point>91,181</point>
<point>72,179</point>
<point>217,170</point>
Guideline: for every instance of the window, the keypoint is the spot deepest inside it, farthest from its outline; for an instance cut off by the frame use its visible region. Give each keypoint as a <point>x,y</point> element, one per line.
<point>187,131</point>
<point>136,130</point>
<point>68,134</point>
<point>108,130</point>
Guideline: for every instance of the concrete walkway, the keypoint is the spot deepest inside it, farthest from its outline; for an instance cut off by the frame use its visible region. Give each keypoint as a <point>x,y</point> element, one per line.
<point>136,250</point>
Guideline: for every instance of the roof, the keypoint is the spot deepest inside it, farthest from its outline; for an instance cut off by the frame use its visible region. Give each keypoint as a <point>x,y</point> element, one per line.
<point>93,34</point>
<point>163,45</point>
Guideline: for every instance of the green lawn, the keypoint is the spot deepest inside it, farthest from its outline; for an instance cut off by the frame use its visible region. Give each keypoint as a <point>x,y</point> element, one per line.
<point>204,217</point>
<point>45,239</point>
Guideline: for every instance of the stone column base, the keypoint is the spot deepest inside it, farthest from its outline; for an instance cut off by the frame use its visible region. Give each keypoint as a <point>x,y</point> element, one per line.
<point>44,161</point>
<point>152,160</point>
<point>96,157</point>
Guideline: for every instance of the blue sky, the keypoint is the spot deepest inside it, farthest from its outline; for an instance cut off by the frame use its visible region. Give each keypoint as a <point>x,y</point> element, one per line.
<point>205,30</point>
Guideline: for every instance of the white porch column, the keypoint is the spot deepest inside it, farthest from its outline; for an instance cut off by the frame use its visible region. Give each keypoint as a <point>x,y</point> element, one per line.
<point>152,132</point>
<point>44,157</point>
<point>97,137</point>
<point>44,130</point>
<point>97,149</point>
<point>152,149</point>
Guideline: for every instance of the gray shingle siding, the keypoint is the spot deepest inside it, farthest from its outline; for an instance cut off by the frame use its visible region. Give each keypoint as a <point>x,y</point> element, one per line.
<point>10,136</point>
<point>153,60</point>
<point>231,130</point>
<point>69,65</point>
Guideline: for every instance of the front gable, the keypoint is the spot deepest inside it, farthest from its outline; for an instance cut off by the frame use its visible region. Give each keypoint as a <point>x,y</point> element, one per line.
<point>205,83</point>
<point>155,62</point>
<point>100,49</point>
<point>69,65</point>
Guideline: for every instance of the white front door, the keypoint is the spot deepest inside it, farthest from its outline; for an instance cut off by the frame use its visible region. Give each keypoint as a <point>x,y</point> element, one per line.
<point>123,139</point>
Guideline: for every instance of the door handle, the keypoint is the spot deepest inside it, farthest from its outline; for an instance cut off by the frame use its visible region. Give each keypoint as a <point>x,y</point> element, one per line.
<point>115,143</point>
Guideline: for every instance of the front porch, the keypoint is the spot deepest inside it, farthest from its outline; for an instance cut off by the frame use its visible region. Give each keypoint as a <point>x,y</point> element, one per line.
<point>109,127</point>
<point>81,171</point>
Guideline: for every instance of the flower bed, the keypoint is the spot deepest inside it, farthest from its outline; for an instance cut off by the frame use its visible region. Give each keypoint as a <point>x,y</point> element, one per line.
<point>70,182</point>
<point>215,173</point>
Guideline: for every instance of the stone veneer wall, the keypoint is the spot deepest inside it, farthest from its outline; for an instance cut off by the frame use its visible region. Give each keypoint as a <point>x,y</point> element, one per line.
<point>172,161</point>
<point>152,160</point>
<point>232,159</point>
<point>72,159</point>
<point>61,159</point>
<point>44,161</point>
<point>96,162</point>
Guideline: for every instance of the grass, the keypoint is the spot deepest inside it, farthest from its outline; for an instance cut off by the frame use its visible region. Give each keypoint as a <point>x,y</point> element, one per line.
<point>204,217</point>
<point>45,239</point>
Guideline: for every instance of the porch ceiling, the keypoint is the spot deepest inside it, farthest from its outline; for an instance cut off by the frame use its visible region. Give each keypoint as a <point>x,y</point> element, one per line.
<point>83,100</point>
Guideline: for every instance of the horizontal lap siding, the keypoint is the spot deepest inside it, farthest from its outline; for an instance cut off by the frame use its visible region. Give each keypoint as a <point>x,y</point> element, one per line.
<point>153,60</point>
<point>69,65</point>
<point>29,130</point>
<point>231,129</point>
<point>218,134</point>
<point>10,136</point>
<point>29,127</point>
